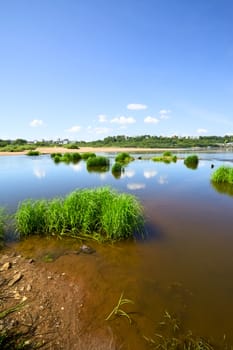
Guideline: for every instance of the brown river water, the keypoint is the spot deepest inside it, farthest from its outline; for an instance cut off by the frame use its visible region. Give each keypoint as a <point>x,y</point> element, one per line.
<point>184,266</point>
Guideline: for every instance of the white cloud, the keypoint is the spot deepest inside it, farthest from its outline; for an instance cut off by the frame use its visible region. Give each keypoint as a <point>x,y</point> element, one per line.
<point>74,129</point>
<point>102,118</point>
<point>201,131</point>
<point>151,120</point>
<point>136,186</point>
<point>164,113</point>
<point>136,106</point>
<point>36,122</point>
<point>123,120</point>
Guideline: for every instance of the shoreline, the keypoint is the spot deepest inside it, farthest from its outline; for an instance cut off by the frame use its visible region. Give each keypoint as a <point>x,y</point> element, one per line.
<point>49,150</point>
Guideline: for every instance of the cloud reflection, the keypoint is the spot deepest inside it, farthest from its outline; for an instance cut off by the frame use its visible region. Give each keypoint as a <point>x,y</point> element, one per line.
<point>129,173</point>
<point>163,180</point>
<point>150,173</point>
<point>39,173</point>
<point>136,186</point>
<point>77,167</point>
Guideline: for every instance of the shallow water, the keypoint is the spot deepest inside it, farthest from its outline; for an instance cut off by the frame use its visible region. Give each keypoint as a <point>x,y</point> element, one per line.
<point>184,266</point>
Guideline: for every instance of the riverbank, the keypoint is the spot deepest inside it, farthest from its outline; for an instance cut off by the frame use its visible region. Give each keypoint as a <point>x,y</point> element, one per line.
<point>49,150</point>
<point>47,306</point>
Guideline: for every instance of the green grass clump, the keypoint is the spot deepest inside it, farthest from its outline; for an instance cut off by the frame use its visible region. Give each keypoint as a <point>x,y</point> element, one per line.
<point>33,153</point>
<point>87,155</point>
<point>31,217</point>
<point>68,157</point>
<point>191,161</point>
<point>223,175</point>
<point>98,163</point>
<point>101,213</point>
<point>167,157</point>
<point>124,158</point>
<point>117,169</point>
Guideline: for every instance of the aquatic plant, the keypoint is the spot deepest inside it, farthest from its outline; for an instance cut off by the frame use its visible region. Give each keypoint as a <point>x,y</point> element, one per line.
<point>167,157</point>
<point>31,217</point>
<point>101,214</point>
<point>223,174</point>
<point>124,158</point>
<point>87,155</point>
<point>117,169</point>
<point>118,311</point>
<point>98,161</point>
<point>33,153</point>
<point>172,338</point>
<point>191,161</point>
<point>69,157</point>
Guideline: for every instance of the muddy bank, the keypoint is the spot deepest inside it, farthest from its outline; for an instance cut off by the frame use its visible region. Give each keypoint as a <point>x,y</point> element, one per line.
<point>50,307</point>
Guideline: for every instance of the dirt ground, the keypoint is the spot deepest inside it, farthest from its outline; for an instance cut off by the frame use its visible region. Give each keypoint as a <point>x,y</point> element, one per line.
<point>51,306</point>
<point>49,150</point>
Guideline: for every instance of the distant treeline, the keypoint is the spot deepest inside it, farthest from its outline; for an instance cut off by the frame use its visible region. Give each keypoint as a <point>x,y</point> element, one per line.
<point>144,141</point>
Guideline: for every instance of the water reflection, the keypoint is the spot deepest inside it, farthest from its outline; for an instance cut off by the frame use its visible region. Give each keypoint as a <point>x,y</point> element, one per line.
<point>76,167</point>
<point>135,186</point>
<point>39,173</point>
<point>163,179</point>
<point>150,173</point>
<point>223,188</point>
<point>129,173</point>
<point>98,169</point>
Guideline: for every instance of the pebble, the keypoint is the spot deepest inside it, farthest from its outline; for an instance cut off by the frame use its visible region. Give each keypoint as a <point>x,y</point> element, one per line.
<point>5,266</point>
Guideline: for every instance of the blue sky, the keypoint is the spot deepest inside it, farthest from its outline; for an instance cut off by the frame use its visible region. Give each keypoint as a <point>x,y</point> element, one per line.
<point>87,69</point>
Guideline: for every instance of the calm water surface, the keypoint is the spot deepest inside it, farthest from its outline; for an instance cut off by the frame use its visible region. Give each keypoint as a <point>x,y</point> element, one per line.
<point>185,265</point>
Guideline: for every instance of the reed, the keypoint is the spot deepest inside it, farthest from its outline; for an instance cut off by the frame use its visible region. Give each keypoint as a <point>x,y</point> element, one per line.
<point>101,214</point>
<point>191,161</point>
<point>223,175</point>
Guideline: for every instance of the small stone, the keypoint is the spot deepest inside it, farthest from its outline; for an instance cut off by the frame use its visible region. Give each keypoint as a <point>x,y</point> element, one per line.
<point>29,288</point>
<point>31,261</point>
<point>5,266</point>
<point>15,279</point>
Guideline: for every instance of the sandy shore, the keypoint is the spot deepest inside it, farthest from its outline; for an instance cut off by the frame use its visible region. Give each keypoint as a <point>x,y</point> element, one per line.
<point>49,150</point>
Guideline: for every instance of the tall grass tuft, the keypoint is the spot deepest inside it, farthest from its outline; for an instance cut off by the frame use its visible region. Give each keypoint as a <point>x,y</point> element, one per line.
<point>33,153</point>
<point>223,175</point>
<point>100,213</point>
<point>123,158</point>
<point>191,161</point>
<point>31,217</point>
<point>87,155</point>
<point>117,170</point>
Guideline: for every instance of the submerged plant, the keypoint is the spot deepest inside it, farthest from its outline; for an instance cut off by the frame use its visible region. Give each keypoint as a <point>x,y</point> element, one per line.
<point>118,311</point>
<point>191,161</point>
<point>172,338</point>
